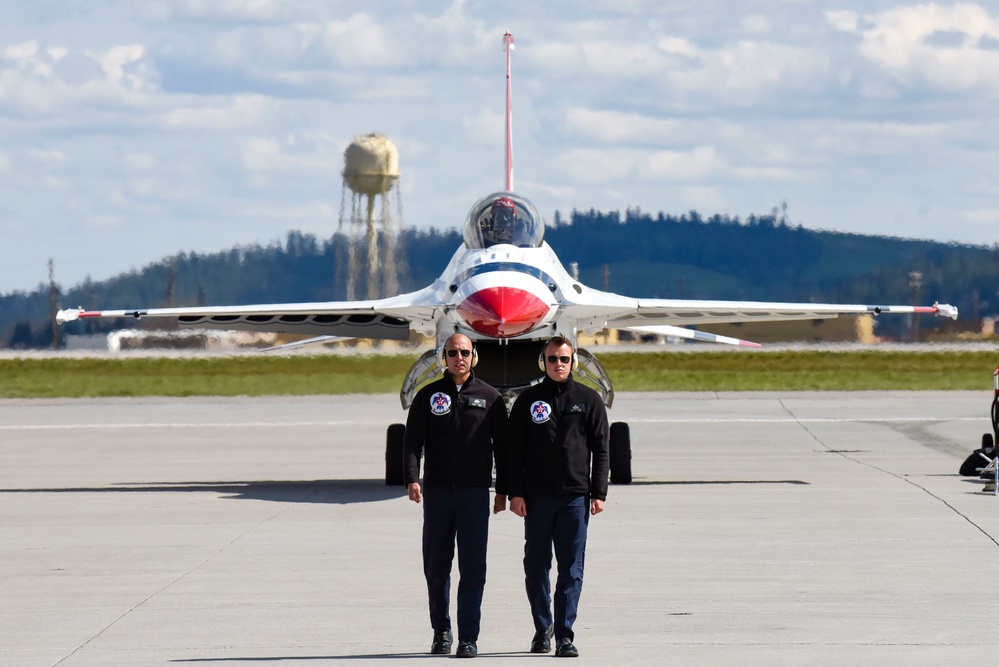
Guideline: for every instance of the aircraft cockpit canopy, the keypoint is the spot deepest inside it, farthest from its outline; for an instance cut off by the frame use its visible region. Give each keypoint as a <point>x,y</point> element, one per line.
<point>504,217</point>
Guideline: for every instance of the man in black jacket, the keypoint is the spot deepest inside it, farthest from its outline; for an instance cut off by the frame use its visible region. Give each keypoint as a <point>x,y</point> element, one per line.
<point>459,424</point>
<point>559,451</point>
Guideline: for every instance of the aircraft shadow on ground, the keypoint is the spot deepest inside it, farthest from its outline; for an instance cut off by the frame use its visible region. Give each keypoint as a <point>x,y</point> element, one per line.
<point>330,491</point>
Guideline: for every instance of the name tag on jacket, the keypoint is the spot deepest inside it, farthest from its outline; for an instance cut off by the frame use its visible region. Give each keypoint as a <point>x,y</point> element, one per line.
<point>476,402</point>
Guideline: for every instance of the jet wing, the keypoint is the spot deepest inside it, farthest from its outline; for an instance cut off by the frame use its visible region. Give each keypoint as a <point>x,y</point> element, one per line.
<point>594,310</point>
<point>390,318</point>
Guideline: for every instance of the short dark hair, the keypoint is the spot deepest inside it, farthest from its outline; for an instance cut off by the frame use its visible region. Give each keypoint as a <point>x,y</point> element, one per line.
<point>558,340</point>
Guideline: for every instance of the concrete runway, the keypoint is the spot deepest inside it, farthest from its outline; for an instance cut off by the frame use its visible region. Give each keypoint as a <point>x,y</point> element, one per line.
<point>762,529</point>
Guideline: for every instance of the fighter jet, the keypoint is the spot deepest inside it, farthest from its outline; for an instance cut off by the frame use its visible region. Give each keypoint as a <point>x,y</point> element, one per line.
<point>505,289</point>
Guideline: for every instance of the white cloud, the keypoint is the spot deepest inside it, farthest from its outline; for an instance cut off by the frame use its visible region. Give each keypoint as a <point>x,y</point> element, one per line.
<point>611,127</point>
<point>306,154</point>
<point>642,166</point>
<point>57,82</point>
<point>683,165</point>
<point>52,158</point>
<point>124,65</point>
<point>140,161</point>
<point>677,46</point>
<point>318,210</point>
<point>930,43</point>
<point>360,41</point>
<point>24,53</point>
<point>756,23</point>
<point>156,188</point>
<point>602,58</point>
<point>240,111</point>
<point>989,216</point>
<point>227,11</point>
<point>103,221</point>
<point>844,20</point>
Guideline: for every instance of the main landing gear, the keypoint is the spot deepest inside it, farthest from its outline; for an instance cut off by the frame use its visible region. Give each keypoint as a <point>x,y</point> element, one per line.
<point>620,453</point>
<point>395,458</point>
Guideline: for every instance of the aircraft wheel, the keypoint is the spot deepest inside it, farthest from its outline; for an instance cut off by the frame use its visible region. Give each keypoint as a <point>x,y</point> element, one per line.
<point>620,453</point>
<point>987,440</point>
<point>395,458</point>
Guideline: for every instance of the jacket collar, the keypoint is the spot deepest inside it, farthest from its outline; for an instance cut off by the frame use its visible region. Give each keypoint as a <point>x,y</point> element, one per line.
<point>559,387</point>
<point>452,384</point>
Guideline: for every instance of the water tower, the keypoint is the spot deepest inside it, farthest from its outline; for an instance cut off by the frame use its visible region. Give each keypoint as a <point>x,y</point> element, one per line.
<point>371,172</point>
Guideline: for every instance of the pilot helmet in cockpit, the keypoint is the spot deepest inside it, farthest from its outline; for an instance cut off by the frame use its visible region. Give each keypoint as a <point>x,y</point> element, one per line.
<point>503,218</point>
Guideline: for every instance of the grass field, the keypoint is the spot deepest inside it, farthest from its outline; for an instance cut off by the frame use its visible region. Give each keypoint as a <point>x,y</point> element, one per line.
<point>366,373</point>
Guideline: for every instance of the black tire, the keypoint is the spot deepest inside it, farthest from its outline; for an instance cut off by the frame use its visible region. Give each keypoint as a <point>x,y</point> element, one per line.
<point>987,440</point>
<point>620,453</point>
<point>395,457</point>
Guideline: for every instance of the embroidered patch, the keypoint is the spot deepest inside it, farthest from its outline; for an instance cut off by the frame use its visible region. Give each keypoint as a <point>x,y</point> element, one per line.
<point>540,412</point>
<point>440,403</point>
<point>577,408</point>
<point>477,402</point>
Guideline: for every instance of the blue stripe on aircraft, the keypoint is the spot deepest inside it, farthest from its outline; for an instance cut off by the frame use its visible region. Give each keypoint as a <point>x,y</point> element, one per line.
<point>516,267</point>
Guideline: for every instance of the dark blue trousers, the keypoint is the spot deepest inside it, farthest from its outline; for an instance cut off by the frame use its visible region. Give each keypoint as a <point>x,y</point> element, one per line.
<point>560,522</point>
<point>455,514</point>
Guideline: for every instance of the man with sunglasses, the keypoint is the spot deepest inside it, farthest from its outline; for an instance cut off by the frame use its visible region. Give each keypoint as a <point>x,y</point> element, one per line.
<point>459,425</point>
<point>559,456</point>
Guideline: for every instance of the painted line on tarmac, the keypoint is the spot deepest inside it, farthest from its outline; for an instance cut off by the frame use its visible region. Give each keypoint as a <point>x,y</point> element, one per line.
<point>148,425</point>
<point>677,420</point>
<point>791,420</point>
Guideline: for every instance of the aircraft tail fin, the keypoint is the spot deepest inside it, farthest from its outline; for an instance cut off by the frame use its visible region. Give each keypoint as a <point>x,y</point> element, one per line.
<point>508,46</point>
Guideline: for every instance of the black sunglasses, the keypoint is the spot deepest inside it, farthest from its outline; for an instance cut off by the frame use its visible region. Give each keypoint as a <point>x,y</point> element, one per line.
<point>454,353</point>
<point>552,359</point>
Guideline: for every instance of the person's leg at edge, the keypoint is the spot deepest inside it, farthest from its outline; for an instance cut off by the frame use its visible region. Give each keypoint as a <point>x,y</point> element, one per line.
<point>472,522</point>
<point>438,551</point>
<point>538,559</point>
<point>569,534</point>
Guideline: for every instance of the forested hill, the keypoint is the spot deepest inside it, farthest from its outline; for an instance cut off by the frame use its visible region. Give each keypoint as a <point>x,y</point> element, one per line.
<point>689,256</point>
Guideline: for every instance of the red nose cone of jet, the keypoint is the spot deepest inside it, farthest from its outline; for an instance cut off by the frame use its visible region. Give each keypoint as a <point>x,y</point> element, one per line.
<point>502,312</point>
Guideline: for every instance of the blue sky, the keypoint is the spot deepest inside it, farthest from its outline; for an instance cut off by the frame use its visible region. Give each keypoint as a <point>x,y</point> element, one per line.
<point>134,129</point>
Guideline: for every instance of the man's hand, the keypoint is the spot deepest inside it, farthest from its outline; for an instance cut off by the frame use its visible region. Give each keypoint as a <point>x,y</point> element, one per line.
<point>518,507</point>
<point>414,492</point>
<point>499,504</point>
<point>596,506</point>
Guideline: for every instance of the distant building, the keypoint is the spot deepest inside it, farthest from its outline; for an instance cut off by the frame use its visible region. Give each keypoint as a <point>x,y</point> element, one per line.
<point>187,339</point>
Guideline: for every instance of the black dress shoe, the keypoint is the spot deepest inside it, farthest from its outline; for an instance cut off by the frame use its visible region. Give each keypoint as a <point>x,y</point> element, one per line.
<point>542,642</point>
<point>442,643</point>
<point>566,649</point>
<point>466,649</point>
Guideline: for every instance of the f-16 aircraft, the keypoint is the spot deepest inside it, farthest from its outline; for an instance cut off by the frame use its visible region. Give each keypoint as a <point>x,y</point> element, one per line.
<point>507,291</point>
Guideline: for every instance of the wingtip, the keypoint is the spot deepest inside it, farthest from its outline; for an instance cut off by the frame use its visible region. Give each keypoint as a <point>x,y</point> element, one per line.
<point>68,315</point>
<point>946,310</point>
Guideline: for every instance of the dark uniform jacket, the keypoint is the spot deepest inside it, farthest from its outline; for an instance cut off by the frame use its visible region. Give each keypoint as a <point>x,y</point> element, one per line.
<point>458,434</point>
<point>558,434</point>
